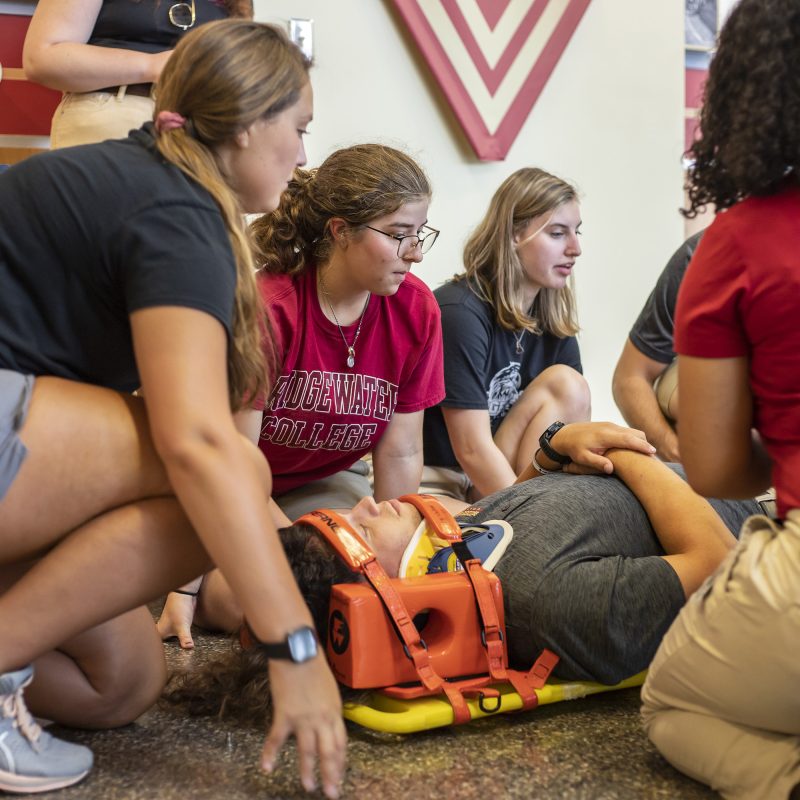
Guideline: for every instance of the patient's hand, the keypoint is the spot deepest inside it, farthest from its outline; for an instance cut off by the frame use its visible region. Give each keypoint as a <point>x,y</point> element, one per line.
<point>176,619</point>
<point>587,442</point>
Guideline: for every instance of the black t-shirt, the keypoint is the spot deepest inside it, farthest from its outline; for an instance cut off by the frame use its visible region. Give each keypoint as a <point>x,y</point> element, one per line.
<point>144,26</point>
<point>89,234</point>
<point>482,369</point>
<point>653,330</point>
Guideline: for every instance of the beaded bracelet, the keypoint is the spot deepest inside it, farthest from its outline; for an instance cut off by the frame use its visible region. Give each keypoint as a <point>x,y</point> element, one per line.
<point>539,468</point>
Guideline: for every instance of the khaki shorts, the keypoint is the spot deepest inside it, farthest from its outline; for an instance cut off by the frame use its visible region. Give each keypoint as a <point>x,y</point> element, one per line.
<point>340,490</point>
<point>89,117</point>
<point>447,482</point>
<point>721,699</point>
<point>15,398</point>
<point>665,388</point>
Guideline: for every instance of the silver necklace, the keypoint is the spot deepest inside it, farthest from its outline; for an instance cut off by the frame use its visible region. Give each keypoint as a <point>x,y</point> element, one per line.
<point>351,348</point>
<point>518,339</point>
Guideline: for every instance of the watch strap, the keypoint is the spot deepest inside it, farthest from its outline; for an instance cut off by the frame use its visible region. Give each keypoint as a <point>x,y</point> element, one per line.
<point>300,645</point>
<point>547,448</point>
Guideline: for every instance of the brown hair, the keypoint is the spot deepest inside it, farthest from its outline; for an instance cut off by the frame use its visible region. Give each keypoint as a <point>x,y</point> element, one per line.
<point>236,684</point>
<point>492,268</point>
<point>223,77</point>
<point>358,184</point>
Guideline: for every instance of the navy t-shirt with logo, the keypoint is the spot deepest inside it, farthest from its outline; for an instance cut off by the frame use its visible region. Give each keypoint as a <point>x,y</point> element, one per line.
<point>482,369</point>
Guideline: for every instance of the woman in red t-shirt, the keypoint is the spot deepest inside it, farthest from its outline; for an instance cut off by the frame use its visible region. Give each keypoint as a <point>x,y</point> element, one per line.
<point>721,700</point>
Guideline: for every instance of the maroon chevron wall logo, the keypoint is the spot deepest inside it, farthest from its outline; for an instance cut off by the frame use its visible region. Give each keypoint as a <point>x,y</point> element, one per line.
<point>492,58</point>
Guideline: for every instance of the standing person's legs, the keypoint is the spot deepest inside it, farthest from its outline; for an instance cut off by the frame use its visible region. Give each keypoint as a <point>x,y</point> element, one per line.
<point>721,701</point>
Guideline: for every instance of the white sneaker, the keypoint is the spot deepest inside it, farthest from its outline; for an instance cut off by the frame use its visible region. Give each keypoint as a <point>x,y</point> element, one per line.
<point>31,760</point>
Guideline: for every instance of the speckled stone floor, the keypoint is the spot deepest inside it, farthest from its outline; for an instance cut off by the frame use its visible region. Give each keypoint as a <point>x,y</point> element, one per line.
<point>589,749</point>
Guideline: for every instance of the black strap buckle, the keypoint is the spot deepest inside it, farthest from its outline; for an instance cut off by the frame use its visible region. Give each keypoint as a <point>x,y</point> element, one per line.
<point>482,703</point>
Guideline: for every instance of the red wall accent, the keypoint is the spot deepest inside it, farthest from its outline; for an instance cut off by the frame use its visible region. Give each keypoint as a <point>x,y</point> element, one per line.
<point>26,108</point>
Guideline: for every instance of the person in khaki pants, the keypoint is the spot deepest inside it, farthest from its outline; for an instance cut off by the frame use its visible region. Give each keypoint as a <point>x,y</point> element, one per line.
<point>721,701</point>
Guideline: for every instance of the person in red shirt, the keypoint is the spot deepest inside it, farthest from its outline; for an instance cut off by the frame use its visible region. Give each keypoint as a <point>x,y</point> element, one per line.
<point>358,336</point>
<point>721,700</point>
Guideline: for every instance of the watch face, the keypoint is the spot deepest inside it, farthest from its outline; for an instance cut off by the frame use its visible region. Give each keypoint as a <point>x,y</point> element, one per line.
<point>302,645</point>
<point>553,430</point>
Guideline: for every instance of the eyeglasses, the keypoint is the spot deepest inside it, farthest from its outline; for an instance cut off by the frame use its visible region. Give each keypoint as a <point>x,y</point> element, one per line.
<point>407,244</point>
<point>182,16</point>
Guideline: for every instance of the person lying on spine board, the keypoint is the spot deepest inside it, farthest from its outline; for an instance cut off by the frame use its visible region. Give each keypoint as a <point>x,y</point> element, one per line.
<point>593,567</point>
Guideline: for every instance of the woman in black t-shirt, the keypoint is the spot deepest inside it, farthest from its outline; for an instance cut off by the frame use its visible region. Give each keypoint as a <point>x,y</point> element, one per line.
<point>123,264</point>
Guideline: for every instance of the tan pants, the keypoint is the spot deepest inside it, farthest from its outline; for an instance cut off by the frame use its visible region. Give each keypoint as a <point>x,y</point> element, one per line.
<point>447,482</point>
<point>88,117</point>
<point>722,698</point>
<point>666,388</point>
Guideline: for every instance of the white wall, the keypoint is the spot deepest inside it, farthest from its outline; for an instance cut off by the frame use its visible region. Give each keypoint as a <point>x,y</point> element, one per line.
<point>610,119</point>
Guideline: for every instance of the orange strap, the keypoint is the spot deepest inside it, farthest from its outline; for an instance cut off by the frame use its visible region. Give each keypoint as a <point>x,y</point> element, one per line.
<point>492,634</point>
<point>439,518</point>
<point>525,683</point>
<point>413,644</point>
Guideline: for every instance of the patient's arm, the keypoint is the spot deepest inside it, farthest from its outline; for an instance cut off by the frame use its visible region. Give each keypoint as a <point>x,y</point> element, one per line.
<point>694,537</point>
<point>586,443</point>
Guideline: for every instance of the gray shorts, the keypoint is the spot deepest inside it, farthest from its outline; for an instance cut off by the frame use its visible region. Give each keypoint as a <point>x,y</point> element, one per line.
<point>15,397</point>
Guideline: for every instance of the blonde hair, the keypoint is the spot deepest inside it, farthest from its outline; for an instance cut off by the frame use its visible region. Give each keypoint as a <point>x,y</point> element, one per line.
<point>492,268</point>
<point>358,184</point>
<point>223,77</point>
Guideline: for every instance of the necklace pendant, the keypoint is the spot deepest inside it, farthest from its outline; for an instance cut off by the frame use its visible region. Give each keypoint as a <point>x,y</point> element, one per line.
<point>520,348</point>
<point>351,357</point>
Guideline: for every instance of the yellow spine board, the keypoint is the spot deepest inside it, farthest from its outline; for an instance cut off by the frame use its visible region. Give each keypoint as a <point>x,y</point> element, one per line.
<point>389,715</point>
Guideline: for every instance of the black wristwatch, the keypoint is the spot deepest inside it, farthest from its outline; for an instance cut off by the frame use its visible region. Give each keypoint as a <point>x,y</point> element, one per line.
<point>298,646</point>
<point>547,449</point>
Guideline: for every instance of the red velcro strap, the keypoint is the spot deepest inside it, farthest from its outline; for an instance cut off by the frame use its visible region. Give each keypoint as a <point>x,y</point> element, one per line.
<point>542,667</point>
<point>460,708</point>
<point>436,515</point>
<point>403,622</point>
<point>492,633</point>
<point>526,683</point>
<point>519,680</point>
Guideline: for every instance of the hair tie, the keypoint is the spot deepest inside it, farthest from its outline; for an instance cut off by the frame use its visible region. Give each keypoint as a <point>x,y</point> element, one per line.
<point>168,121</point>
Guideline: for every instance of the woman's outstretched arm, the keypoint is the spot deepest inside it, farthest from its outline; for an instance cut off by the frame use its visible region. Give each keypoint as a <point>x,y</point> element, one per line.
<point>182,357</point>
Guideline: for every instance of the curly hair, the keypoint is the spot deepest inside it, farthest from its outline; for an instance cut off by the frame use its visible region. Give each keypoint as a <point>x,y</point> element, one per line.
<point>750,119</point>
<point>492,267</point>
<point>358,184</point>
<point>236,683</point>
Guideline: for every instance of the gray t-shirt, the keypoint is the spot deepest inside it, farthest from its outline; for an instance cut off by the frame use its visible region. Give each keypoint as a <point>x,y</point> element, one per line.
<point>653,331</point>
<point>583,574</point>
